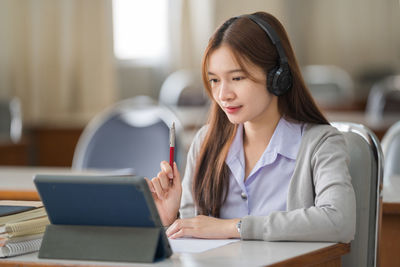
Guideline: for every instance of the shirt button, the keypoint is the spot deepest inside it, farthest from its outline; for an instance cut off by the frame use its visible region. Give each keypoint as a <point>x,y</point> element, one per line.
<point>244,196</point>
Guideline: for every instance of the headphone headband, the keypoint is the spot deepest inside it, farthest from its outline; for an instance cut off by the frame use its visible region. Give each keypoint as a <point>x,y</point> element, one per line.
<point>273,36</point>
<point>279,78</point>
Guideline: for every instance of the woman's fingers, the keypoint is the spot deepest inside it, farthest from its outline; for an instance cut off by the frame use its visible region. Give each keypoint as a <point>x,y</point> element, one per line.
<point>157,187</point>
<point>173,228</point>
<point>171,174</point>
<point>160,185</point>
<point>180,228</point>
<point>164,180</point>
<point>165,167</point>
<point>152,189</point>
<point>203,227</point>
<point>180,233</point>
<point>150,184</point>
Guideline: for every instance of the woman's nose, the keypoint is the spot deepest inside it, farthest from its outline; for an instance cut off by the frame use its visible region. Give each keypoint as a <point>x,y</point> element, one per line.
<point>225,92</point>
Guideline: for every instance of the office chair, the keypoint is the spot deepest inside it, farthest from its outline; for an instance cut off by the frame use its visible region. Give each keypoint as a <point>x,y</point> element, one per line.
<point>384,99</point>
<point>366,170</point>
<point>330,85</point>
<point>10,120</point>
<point>391,151</point>
<point>130,137</point>
<point>183,88</point>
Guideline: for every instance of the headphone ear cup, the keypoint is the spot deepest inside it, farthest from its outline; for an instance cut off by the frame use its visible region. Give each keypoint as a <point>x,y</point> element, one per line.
<point>284,81</point>
<point>271,85</point>
<point>279,80</point>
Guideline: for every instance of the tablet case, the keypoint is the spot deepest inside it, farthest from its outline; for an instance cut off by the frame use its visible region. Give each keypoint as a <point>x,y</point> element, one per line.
<point>104,243</point>
<point>101,218</point>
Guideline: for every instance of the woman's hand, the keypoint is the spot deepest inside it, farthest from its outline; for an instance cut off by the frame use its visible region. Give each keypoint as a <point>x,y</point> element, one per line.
<point>204,227</point>
<point>166,189</point>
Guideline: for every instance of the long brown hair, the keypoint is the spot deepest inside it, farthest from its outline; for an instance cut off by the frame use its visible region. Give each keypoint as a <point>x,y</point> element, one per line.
<point>249,43</point>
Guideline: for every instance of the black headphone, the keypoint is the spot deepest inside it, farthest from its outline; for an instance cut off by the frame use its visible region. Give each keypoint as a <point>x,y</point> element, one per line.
<point>279,78</point>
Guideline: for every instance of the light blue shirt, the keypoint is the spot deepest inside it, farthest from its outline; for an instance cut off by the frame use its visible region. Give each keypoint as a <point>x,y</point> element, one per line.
<point>266,187</point>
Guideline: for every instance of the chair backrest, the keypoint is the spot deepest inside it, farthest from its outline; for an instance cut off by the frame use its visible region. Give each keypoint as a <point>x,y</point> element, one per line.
<point>366,170</point>
<point>10,120</point>
<point>329,85</point>
<point>384,98</point>
<point>391,151</point>
<point>183,88</point>
<point>130,135</point>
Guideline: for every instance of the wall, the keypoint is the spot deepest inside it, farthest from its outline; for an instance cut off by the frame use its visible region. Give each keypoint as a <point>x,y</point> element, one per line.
<point>361,36</point>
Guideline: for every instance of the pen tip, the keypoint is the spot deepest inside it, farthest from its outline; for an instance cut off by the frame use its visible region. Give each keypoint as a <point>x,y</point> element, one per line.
<point>173,125</point>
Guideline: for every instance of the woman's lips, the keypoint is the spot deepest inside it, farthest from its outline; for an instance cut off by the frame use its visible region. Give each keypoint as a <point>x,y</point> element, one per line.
<point>232,109</point>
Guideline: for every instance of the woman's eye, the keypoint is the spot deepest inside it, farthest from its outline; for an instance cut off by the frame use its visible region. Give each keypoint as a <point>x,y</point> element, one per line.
<point>213,80</point>
<point>238,78</point>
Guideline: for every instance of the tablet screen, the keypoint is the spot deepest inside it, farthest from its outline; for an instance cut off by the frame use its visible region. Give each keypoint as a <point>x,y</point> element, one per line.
<point>97,200</point>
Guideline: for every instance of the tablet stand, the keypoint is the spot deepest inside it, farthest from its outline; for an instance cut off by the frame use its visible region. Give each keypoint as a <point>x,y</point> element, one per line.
<point>104,243</point>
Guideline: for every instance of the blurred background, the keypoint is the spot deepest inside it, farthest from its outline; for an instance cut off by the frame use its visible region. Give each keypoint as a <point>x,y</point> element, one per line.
<point>62,62</point>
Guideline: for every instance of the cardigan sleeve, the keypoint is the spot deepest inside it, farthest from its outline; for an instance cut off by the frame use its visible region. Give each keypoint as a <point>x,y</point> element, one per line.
<point>331,216</point>
<point>187,208</point>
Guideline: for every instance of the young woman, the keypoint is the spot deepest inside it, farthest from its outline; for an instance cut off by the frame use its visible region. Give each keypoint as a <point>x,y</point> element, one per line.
<point>267,165</point>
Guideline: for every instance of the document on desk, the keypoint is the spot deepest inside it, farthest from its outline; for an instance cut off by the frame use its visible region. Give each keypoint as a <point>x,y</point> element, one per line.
<point>197,245</point>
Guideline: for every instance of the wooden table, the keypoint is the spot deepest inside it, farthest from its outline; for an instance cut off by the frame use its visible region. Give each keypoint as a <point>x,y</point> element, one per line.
<point>15,154</point>
<point>389,247</point>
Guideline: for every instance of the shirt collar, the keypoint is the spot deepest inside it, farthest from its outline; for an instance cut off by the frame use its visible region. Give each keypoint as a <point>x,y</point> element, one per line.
<point>285,141</point>
<point>236,146</point>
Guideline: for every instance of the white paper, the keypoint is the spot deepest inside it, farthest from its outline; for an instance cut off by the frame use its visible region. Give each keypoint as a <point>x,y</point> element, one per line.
<point>196,245</point>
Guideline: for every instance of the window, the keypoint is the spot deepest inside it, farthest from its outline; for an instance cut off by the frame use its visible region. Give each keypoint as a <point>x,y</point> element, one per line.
<point>140,29</point>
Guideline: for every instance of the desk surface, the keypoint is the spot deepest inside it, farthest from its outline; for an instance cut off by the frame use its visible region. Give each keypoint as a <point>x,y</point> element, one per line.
<point>242,253</point>
<point>17,182</point>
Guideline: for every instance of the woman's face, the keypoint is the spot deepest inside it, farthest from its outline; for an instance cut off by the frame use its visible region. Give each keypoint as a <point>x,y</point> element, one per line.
<point>241,98</point>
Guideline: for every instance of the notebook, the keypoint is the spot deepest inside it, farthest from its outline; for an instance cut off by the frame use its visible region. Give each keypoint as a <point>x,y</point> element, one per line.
<point>15,211</point>
<point>19,248</point>
<point>9,210</point>
<point>17,239</point>
<point>28,227</point>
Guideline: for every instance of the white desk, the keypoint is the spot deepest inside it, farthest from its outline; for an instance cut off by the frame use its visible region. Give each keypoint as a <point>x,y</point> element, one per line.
<point>242,253</point>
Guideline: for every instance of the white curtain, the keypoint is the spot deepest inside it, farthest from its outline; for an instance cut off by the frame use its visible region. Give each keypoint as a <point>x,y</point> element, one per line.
<point>57,57</point>
<point>191,23</point>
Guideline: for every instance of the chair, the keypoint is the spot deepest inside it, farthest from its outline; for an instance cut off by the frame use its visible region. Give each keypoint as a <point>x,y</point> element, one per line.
<point>10,120</point>
<point>132,134</point>
<point>183,88</point>
<point>366,170</point>
<point>330,85</point>
<point>391,151</point>
<point>384,99</point>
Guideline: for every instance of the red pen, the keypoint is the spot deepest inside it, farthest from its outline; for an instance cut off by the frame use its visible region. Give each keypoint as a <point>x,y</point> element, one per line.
<point>172,147</point>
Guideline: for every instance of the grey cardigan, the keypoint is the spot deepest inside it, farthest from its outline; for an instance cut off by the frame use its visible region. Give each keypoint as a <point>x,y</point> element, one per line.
<point>321,202</point>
